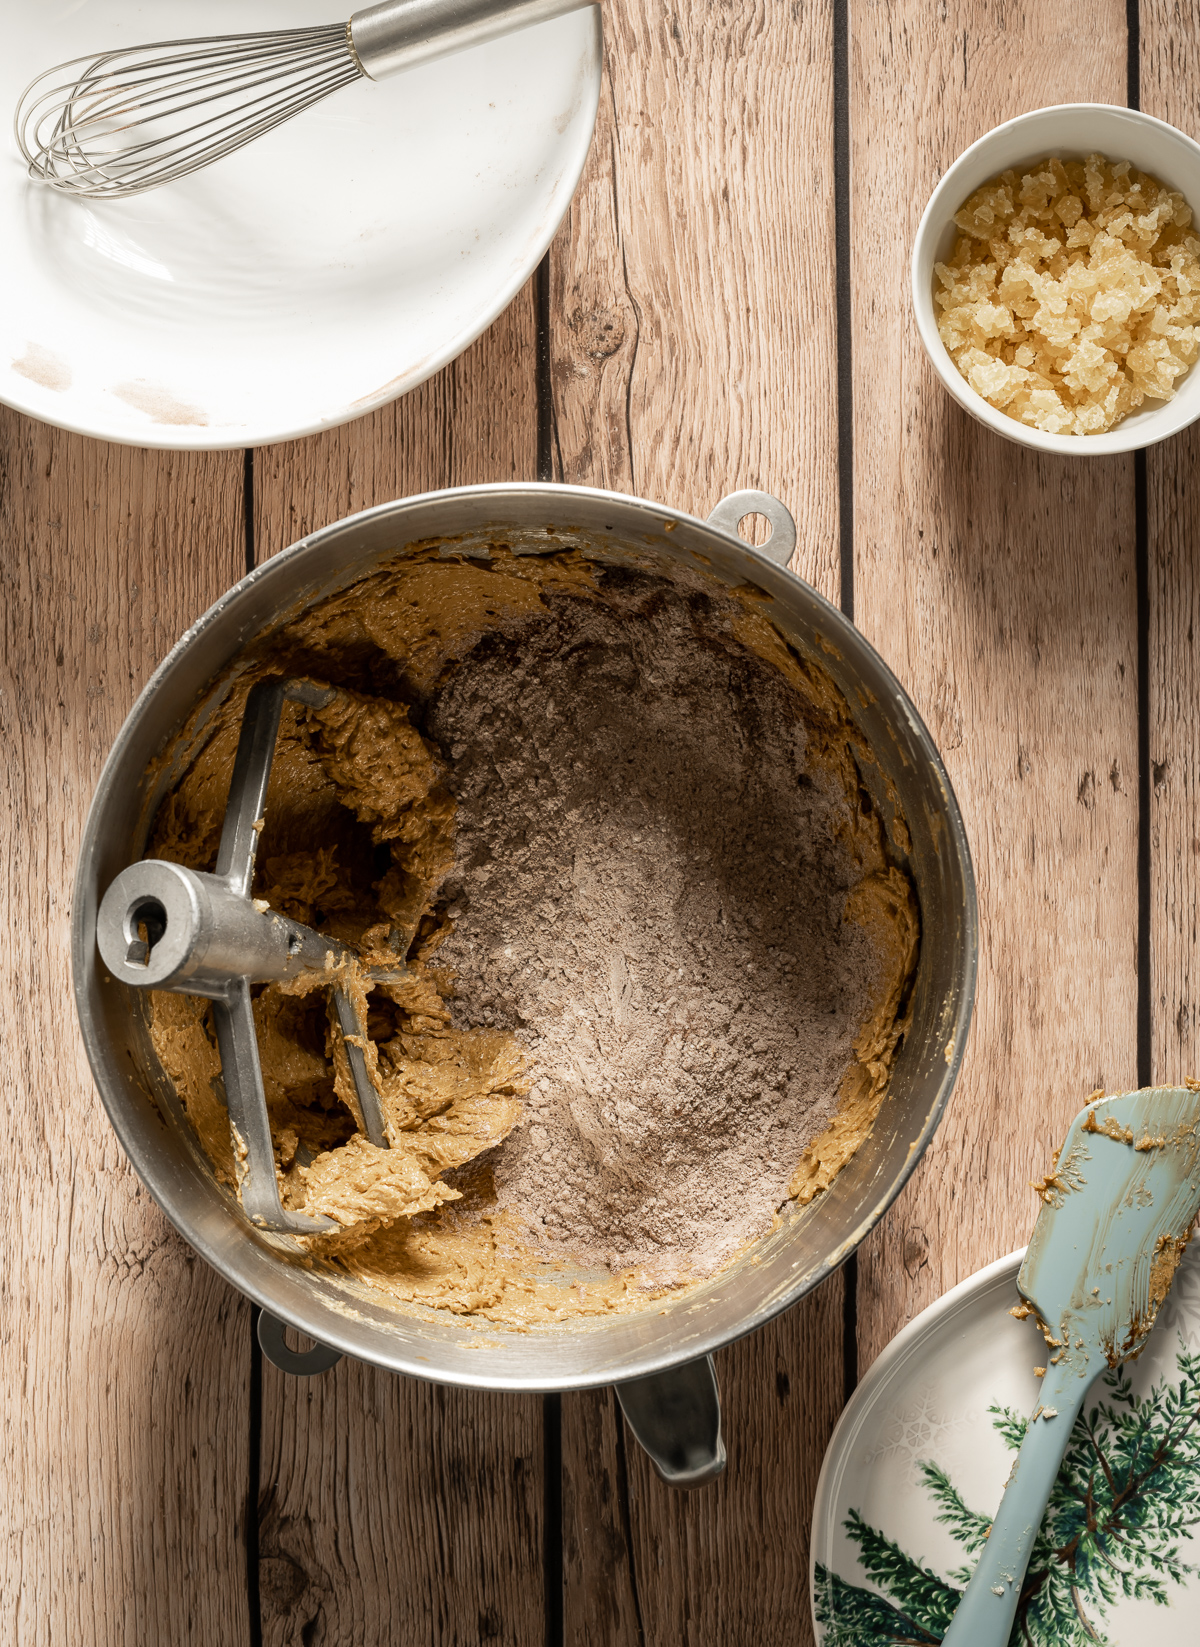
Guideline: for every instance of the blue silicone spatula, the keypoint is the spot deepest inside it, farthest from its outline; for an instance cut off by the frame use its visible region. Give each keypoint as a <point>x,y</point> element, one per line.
<point>1117,1212</point>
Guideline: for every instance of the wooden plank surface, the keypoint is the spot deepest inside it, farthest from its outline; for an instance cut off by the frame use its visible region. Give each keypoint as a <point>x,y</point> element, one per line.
<point>692,349</point>
<point>1001,587</point>
<point>693,328</point>
<point>1174,751</point>
<point>124,1360</point>
<point>1170,89</point>
<point>692,345</point>
<point>392,1512</point>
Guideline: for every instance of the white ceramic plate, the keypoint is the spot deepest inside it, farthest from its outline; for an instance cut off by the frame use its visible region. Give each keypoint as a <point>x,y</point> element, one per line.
<point>319,273</point>
<point>882,1558</point>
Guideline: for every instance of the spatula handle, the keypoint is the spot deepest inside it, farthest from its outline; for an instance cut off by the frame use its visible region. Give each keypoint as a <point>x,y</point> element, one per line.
<point>985,1614</point>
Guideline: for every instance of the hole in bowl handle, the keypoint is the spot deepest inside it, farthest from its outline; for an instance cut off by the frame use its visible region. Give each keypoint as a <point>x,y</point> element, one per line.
<point>732,511</point>
<point>301,1363</point>
<point>676,1417</point>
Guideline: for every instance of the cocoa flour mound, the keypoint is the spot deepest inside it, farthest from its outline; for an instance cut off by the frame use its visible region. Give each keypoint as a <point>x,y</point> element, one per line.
<point>660,946</point>
<point>649,891</point>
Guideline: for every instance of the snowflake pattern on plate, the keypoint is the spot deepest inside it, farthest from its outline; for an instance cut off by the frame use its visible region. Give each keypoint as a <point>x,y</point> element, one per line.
<point>918,1430</point>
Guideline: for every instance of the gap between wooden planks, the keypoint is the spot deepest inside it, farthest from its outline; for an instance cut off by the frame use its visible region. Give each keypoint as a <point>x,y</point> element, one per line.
<point>1000,586</point>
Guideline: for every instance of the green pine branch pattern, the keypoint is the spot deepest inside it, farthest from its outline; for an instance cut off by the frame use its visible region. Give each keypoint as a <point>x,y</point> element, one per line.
<point>1123,1508</point>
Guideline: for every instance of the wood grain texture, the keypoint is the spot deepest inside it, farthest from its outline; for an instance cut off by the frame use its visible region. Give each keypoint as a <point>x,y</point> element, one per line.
<point>693,326</point>
<point>601,1603</point>
<point>124,1360</point>
<point>731,1563</point>
<point>395,1512</point>
<point>392,1512</point>
<point>645,1564</point>
<point>693,341</point>
<point>1001,587</point>
<point>1173,792</point>
<point>1170,89</point>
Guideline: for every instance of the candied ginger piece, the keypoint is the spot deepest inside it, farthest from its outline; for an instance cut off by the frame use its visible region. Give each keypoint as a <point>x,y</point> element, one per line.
<point>1046,412</point>
<point>1094,181</point>
<point>1113,304</point>
<point>1059,327</point>
<point>994,320</point>
<point>1159,320</point>
<point>947,276</point>
<point>988,209</point>
<point>1154,368</point>
<point>990,378</point>
<point>1090,367</point>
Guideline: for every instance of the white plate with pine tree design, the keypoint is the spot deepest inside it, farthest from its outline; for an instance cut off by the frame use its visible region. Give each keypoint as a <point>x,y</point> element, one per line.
<point>919,1459</point>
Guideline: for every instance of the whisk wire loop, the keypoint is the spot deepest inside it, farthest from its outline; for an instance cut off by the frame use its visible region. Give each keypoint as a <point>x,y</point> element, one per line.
<point>133,118</point>
<point>212,144</point>
<point>102,102</point>
<point>130,119</point>
<point>142,87</point>
<point>145,111</point>
<point>209,145</point>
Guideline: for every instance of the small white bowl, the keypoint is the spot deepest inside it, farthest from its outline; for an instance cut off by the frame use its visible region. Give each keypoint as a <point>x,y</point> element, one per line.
<point>1071,131</point>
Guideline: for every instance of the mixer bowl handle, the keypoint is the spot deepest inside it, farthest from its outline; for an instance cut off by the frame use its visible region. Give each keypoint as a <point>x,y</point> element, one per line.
<point>300,1363</point>
<point>733,509</point>
<point>676,1416</point>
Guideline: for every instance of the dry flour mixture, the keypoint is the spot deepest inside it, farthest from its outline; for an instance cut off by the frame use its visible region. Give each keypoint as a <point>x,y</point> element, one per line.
<point>661,944</point>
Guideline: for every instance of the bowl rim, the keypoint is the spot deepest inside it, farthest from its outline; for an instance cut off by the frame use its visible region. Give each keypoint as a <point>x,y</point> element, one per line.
<point>1112,441</point>
<point>250,1272</point>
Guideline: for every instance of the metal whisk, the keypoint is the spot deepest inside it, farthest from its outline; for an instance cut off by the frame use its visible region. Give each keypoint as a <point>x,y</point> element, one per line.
<point>124,121</point>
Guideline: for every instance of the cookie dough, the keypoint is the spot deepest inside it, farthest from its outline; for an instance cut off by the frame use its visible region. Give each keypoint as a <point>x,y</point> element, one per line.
<point>660,942</point>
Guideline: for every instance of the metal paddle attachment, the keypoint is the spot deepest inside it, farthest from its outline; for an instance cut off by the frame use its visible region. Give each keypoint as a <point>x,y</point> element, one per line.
<point>1116,1215</point>
<point>163,926</point>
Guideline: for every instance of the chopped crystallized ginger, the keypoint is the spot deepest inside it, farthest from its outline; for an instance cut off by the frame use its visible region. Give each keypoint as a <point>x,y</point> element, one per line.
<point>1073,293</point>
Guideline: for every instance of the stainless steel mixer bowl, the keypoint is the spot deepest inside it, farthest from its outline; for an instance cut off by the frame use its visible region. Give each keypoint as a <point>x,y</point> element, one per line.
<point>788,1263</point>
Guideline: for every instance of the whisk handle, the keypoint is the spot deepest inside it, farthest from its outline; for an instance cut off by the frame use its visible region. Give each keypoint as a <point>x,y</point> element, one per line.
<point>398,34</point>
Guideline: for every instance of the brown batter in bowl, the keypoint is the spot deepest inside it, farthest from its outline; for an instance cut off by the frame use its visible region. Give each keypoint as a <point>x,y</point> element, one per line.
<point>882,750</point>
<point>662,945</point>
